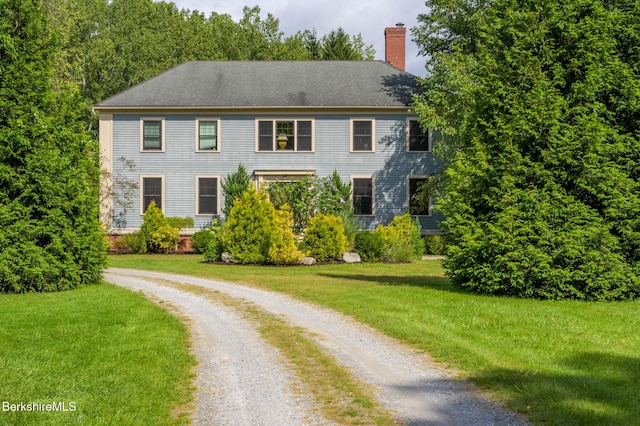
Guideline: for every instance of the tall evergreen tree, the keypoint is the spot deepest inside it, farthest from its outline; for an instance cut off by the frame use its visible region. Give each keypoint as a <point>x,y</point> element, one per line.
<point>50,238</point>
<point>337,45</point>
<point>540,105</point>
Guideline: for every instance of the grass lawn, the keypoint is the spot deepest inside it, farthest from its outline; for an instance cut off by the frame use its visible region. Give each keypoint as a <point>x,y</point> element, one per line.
<point>105,355</point>
<point>561,363</point>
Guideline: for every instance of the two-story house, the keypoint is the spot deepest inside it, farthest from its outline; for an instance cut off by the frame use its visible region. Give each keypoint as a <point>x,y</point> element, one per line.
<point>183,131</point>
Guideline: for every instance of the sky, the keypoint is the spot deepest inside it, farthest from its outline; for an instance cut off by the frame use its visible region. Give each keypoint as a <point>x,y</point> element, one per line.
<point>366,17</point>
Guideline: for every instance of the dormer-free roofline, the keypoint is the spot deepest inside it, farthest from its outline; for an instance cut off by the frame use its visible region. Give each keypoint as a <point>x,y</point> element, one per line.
<point>268,85</point>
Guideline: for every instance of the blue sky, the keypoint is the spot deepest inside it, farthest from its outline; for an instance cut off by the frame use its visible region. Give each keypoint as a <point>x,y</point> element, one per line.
<point>366,17</point>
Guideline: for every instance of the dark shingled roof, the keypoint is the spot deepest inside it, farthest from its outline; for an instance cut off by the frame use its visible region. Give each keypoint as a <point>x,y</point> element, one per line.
<point>266,84</point>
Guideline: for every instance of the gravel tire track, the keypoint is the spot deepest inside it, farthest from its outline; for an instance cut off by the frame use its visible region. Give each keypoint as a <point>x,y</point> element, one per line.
<point>240,379</point>
<point>407,382</point>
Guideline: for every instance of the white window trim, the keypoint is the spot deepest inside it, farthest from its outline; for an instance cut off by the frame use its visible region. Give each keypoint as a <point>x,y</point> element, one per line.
<point>408,134</point>
<point>197,201</point>
<point>274,136</point>
<point>266,176</point>
<point>162,138</point>
<point>373,134</point>
<point>373,193</point>
<point>164,199</point>
<point>198,120</point>
<point>408,197</point>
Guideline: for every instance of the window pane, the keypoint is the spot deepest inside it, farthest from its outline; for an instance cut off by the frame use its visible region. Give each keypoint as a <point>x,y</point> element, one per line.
<point>304,135</point>
<point>152,135</point>
<point>362,136</point>
<point>285,128</point>
<point>208,132</point>
<point>363,196</point>
<point>207,196</point>
<point>265,136</point>
<point>418,138</point>
<point>152,191</point>
<point>413,188</point>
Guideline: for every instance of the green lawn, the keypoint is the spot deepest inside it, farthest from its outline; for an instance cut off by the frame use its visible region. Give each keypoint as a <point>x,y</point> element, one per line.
<point>105,355</point>
<point>564,363</point>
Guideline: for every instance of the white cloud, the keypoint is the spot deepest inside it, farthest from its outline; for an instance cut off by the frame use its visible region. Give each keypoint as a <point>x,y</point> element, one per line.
<point>366,17</point>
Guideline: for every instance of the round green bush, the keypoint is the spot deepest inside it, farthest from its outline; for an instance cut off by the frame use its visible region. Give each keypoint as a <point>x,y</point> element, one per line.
<point>213,252</point>
<point>434,244</point>
<point>200,240</point>
<point>370,246</point>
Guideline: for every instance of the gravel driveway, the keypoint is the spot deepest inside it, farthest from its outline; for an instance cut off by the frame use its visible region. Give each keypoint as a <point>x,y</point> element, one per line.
<point>241,379</point>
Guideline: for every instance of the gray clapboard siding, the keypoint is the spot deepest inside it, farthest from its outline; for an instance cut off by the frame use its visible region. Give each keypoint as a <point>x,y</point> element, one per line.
<point>179,164</point>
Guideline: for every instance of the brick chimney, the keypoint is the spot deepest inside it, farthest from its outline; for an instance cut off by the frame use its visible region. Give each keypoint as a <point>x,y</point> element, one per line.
<point>394,46</point>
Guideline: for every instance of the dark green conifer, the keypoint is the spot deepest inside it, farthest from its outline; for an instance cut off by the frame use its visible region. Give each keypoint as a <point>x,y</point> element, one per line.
<point>50,236</point>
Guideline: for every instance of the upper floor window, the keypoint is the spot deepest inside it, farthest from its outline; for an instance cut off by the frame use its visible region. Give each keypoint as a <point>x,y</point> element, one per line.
<point>416,208</point>
<point>152,134</point>
<point>208,134</point>
<point>418,140</point>
<point>285,135</point>
<point>362,135</point>
<point>362,194</point>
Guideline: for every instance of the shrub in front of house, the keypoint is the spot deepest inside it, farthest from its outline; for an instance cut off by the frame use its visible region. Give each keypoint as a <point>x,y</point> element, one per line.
<point>300,196</point>
<point>313,195</point>
<point>249,228</point>
<point>134,243</point>
<point>403,242</point>
<point>156,231</point>
<point>214,248</point>
<point>399,251</point>
<point>200,240</point>
<point>283,249</point>
<point>434,244</point>
<point>324,238</point>
<point>233,186</point>
<point>165,238</point>
<point>351,225</point>
<point>370,246</point>
<point>213,252</point>
<point>181,222</point>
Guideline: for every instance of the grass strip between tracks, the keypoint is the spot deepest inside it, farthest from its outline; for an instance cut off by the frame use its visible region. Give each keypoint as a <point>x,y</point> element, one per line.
<point>338,396</point>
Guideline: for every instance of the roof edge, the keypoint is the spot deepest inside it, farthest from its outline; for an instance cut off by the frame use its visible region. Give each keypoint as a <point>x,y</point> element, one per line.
<point>232,109</point>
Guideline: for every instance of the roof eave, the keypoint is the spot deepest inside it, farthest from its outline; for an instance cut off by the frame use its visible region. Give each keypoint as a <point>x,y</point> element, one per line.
<point>236,109</point>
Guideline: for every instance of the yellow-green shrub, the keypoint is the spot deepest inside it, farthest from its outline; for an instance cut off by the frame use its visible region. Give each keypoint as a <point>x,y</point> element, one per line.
<point>156,231</point>
<point>283,250</point>
<point>165,238</point>
<point>402,238</point>
<point>325,238</point>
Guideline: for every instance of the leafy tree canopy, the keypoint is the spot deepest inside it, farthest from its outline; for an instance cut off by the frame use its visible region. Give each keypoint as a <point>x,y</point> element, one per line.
<point>111,45</point>
<point>539,103</point>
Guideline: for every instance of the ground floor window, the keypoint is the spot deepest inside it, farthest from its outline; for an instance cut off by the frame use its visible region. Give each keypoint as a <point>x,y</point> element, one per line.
<point>207,195</point>
<point>414,207</point>
<point>362,189</point>
<point>151,191</point>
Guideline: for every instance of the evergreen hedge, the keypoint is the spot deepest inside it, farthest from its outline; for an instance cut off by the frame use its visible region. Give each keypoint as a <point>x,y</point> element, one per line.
<point>50,236</point>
